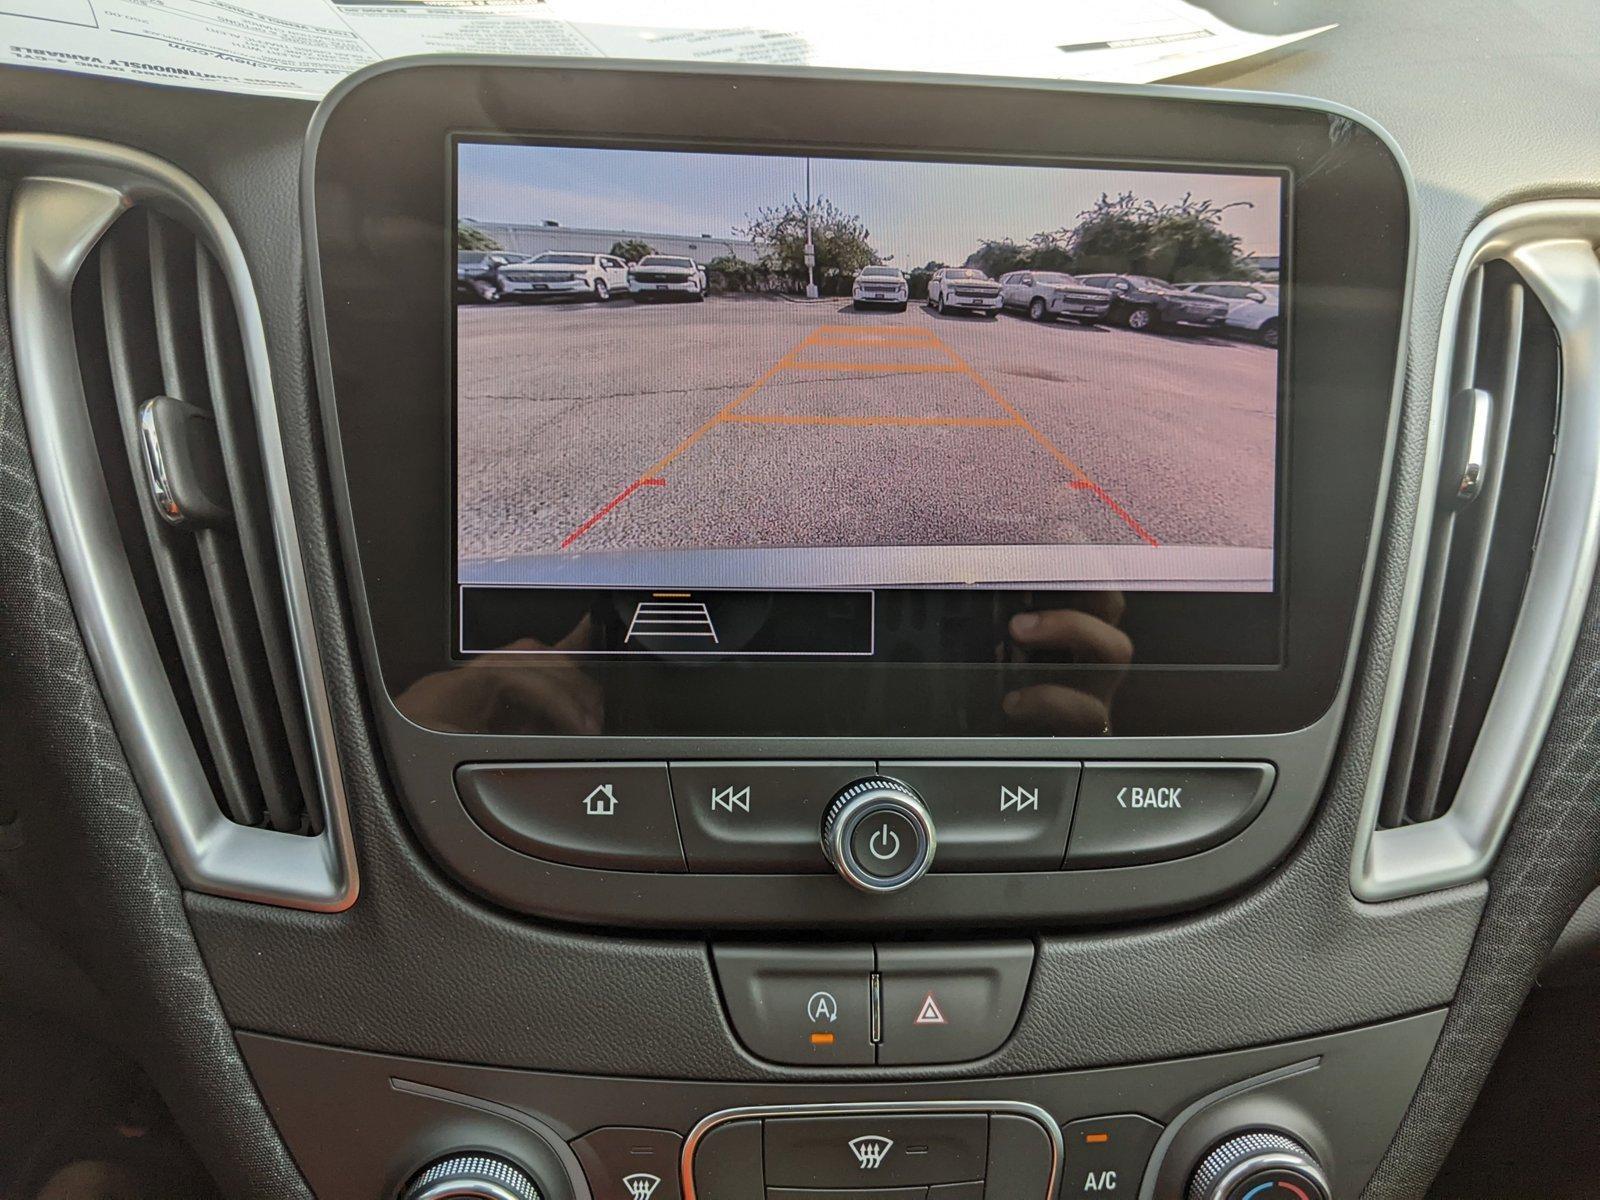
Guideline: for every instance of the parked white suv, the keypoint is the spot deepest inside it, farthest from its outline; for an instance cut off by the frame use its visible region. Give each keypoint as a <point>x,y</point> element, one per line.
<point>1252,307</point>
<point>667,275</point>
<point>963,289</point>
<point>881,285</point>
<point>564,273</point>
<point>1045,295</point>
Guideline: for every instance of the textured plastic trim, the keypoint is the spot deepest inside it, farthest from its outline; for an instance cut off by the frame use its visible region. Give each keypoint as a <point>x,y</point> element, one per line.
<point>1551,244</point>
<point>71,191</point>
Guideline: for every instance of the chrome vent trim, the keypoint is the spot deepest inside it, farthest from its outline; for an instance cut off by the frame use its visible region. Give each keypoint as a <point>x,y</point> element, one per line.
<point>69,193</point>
<point>1552,246</point>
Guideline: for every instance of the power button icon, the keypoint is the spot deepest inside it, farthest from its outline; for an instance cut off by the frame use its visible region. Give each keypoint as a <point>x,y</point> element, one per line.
<point>884,844</point>
<point>878,835</point>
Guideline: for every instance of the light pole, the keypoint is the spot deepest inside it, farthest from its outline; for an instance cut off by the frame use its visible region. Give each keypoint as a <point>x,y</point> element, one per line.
<point>811,249</point>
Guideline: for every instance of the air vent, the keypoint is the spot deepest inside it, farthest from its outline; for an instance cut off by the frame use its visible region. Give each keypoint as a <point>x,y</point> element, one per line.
<point>176,426</point>
<point>1497,443</point>
<point>1502,555</point>
<point>145,381</point>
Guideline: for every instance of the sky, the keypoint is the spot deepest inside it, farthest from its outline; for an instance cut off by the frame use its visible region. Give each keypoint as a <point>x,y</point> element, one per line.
<point>917,212</point>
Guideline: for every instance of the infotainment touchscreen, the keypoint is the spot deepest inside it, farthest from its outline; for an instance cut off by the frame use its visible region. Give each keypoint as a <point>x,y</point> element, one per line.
<point>715,383</point>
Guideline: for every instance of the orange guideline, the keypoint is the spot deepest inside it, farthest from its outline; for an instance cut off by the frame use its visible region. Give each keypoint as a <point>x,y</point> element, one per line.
<point>855,336</point>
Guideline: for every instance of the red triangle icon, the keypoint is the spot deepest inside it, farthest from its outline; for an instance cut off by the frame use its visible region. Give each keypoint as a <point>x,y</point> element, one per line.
<point>930,1013</point>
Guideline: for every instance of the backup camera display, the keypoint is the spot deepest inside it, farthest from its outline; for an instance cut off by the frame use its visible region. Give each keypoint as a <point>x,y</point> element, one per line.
<point>684,370</point>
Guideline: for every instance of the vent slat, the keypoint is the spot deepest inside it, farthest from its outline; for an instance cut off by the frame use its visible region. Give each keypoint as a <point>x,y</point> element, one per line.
<point>229,387</point>
<point>137,373</point>
<point>177,318</point>
<point>1504,374</point>
<point>1501,339</point>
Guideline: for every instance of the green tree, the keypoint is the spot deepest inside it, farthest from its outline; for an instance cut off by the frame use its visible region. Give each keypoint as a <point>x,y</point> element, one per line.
<point>997,256</point>
<point>470,237</point>
<point>1182,241</point>
<point>631,250</point>
<point>842,241</point>
<point>917,279</point>
<point>725,273</point>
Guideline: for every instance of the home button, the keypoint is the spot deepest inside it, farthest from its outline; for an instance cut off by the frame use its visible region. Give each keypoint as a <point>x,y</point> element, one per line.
<point>608,815</point>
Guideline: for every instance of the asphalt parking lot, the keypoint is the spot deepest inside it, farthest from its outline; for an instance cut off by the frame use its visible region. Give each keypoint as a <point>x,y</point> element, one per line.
<point>755,422</point>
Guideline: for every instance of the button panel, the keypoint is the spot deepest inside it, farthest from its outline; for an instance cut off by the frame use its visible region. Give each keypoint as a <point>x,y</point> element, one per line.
<point>893,1005</point>
<point>760,817</point>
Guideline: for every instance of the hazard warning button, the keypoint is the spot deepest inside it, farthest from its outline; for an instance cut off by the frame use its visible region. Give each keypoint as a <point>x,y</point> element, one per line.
<point>950,1003</point>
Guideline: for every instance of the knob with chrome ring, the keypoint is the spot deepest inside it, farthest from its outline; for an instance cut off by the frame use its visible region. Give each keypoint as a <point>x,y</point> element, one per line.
<point>471,1175</point>
<point>1261,1165</point>
<point>878,835</point>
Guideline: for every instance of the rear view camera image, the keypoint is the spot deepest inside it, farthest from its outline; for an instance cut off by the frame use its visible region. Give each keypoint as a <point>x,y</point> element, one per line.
<point>716,370</point>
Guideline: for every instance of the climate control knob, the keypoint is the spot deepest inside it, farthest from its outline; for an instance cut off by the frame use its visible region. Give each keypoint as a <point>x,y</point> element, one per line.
<point>877,833</point>
<point>1259,1166</point>
<point>471,1176</point>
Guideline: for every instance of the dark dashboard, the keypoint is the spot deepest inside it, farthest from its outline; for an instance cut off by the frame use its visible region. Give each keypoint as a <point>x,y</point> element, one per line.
<point>611,631</point>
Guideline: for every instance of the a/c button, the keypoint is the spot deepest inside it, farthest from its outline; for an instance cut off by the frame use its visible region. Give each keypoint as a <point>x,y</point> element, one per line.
<point>1150,812</point>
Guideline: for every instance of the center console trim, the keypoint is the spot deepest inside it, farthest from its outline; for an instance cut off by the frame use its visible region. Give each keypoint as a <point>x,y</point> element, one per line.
<point>908,1107</point>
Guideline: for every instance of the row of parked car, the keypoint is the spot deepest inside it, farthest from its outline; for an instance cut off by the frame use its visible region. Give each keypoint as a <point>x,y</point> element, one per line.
<point>1136,301</point>
<point>490,276</point>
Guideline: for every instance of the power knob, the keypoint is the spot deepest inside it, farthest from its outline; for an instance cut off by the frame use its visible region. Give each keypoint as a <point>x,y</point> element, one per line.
<point>471,1176</point>
<point>877,834</point>
<point>1259,1166</point>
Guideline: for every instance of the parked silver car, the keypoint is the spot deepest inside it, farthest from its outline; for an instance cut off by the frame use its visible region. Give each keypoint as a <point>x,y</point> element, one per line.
<point>1045,295</point>
<point>557,273</point>
<point>1252,307</point>
<point>963,289</point>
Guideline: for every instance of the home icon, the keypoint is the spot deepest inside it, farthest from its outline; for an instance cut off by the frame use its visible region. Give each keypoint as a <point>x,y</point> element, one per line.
<point>602,802</point>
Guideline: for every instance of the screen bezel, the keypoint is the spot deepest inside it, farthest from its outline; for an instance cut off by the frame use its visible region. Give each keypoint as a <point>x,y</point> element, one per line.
<point>377,165</point>
<point>1217,629</point>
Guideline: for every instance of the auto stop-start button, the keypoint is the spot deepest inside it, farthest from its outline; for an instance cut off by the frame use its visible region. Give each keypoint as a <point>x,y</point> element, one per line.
<point>1150,812</point>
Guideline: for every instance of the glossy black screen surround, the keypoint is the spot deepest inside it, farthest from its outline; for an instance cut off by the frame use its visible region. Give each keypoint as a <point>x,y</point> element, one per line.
<point>378,185</point>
